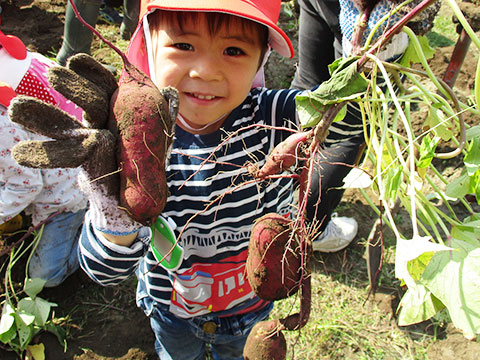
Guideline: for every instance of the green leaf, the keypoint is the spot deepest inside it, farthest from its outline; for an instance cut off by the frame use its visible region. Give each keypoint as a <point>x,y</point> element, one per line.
<point>468,231</point>
<point>7,328</point>
<point>345,84</point>
<point>472,158</point>
<point>427,151</point>
<point>341,114</point>
<point>309,112</point>
<point>9,335</point>
<point>454,278</point>
<point>475,185</point>
<point>59,332</point>
<point>24,318</point>
<point>417,266</point>
<point>25,333</point>
<point>393,181</point>
<point>37,351</point>
<point>439,123</point>
<point>459,187</point>
<point>473,132</point>
<point>410,55</point>
<point>33,287</point>
<point>408,250</point>
<point>338,63</point>
<point>39,307</point>
<point>417,305</point>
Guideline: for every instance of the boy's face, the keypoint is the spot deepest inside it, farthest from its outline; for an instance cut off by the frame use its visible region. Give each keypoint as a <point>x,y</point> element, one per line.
<point>212,73</point>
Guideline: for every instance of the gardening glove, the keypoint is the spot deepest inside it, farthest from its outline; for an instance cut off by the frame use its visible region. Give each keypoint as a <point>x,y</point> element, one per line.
<point>350,14</point>
<point>92,147</point>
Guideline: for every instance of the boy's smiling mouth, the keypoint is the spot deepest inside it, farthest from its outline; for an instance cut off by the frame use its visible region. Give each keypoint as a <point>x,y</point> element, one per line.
<point>202,97</point>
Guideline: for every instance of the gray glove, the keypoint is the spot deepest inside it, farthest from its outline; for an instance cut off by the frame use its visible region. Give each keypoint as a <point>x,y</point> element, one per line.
<point>92,147</point>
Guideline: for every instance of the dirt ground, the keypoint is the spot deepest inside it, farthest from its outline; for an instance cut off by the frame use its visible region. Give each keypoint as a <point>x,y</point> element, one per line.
<point>105,320</point>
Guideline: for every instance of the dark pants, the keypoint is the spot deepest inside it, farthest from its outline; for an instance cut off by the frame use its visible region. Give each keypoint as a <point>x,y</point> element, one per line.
<point>319,41</point>
<point>319,44</point>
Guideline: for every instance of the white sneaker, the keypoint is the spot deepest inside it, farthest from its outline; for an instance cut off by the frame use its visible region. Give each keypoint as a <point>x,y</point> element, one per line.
<point>338,234</point>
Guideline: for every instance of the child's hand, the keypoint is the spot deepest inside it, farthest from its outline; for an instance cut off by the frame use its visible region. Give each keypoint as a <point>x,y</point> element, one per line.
<point>87,83</point>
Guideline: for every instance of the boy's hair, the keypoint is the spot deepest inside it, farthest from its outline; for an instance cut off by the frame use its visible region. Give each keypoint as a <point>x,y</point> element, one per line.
<point>215,22</point>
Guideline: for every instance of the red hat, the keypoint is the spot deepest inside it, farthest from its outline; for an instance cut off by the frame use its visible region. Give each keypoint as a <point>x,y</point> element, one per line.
<point>265,12</point>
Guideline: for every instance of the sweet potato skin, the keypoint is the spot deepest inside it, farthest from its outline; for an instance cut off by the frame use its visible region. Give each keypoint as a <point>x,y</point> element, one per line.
<point>265,342</point>
<point>286,154</point>
<point>140,117</point>
<point>273,260</point>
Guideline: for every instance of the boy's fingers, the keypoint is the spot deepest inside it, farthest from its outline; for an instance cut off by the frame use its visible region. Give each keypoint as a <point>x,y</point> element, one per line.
<point>51,154</point>
<point>89,68</point>
<point>90,97</point>
<point>42,118</point>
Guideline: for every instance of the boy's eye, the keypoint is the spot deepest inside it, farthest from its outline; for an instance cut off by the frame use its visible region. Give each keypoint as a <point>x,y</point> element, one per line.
<point>183,46</point>
<point>234,51</point>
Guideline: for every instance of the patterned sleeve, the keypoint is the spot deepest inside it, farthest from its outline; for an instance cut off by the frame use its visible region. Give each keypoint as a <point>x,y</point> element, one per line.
<point>19,186</point>
<point>107,263</point>
<point>280,111</point>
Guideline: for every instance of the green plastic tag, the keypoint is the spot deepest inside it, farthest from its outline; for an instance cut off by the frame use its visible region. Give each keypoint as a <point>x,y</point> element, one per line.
<point>163,239</point>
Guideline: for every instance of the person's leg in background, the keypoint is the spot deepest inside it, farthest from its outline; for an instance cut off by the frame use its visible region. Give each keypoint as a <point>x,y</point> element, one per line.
<point>319,44</point>
<point>319,41</point>
<point>332,164</point>
<point>76,37</point>
<point>109,14</point>
<point>131,10</point>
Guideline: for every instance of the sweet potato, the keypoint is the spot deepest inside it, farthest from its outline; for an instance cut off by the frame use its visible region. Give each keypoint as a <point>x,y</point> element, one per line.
<point>265,342</point>
<point>143,119</point>
<point>273,262</point>
<point>286,154</point>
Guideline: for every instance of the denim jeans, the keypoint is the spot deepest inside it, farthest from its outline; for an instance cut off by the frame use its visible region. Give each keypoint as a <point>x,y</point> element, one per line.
<point>56,255</point>
<point>186,339</point>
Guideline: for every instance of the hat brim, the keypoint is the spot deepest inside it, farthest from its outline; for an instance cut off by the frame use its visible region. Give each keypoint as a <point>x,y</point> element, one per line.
<point>278,40</point>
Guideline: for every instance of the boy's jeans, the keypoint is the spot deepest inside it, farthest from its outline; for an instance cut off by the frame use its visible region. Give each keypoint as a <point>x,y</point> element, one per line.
<point>56,255</point>
<point>185,339</point>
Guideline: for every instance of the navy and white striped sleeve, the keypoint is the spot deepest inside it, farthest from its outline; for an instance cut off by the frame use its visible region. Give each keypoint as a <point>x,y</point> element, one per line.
<point>105,262</point>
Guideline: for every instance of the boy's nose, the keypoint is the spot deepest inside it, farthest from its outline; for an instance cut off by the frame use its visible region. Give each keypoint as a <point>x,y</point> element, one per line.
<point>206,68</point>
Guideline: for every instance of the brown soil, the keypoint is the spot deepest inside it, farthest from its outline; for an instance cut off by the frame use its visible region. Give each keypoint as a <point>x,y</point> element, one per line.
<point>104,323</point>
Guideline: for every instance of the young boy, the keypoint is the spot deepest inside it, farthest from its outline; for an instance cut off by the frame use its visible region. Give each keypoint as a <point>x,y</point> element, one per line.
<point>34,192</point>
<point>211,52</point>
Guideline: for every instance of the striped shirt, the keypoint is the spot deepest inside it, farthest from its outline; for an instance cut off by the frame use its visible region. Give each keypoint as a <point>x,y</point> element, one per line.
<point>214,203</point>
